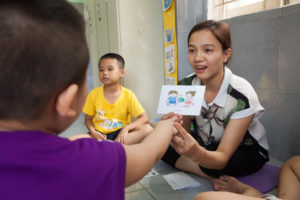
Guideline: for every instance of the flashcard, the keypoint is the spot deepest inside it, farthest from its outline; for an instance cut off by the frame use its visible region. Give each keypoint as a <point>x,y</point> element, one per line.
<point>184,100</point>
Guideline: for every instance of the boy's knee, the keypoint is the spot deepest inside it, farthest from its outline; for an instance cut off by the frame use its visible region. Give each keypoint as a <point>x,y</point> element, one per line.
<point>147,129</point>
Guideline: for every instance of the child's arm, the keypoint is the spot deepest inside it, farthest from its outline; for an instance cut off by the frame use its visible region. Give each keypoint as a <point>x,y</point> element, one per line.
<point>89,124</point>
<point>143,156</point>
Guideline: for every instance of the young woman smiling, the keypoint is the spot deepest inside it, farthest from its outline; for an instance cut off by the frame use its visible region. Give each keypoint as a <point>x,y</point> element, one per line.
<point>228,138</point>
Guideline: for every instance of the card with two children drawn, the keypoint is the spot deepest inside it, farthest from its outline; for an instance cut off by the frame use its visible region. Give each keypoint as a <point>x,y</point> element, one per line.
<point>184,100</point>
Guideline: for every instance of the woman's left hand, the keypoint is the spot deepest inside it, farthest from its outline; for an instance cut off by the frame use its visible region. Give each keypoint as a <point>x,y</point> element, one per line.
<point>122,135</point>
<point>186,145</point>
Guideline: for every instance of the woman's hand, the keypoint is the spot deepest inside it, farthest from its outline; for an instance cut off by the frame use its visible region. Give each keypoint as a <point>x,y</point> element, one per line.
<point>186,145</point>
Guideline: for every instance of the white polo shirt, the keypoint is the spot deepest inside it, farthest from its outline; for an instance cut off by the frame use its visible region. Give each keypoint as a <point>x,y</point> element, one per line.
<point>236,99</point>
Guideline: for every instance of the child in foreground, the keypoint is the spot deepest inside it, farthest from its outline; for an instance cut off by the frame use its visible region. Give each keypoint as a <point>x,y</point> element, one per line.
<point>43,67</point>
<point>109,108</point>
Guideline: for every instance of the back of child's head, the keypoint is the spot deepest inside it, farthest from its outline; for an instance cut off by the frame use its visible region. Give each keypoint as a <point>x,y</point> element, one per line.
<point>43,50</point>
<point>118,57</point>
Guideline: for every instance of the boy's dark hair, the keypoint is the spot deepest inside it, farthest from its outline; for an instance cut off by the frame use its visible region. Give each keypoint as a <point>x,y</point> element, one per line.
<point>43,50</point>
<point>116,56</point>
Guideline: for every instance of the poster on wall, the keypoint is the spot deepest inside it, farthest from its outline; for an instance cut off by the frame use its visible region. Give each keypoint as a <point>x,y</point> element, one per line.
<point>170,42</point>
<point>170,67</point>
<point>169,35</point>
<point>166,4</point>
<point>170,80</point>
<point>169,53</point>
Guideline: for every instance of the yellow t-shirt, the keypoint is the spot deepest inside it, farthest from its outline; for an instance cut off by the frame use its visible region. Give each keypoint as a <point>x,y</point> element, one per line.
<point>107,117</point>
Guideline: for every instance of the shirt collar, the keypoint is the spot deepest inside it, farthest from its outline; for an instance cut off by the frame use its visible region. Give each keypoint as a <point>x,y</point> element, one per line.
<point>220,99</point>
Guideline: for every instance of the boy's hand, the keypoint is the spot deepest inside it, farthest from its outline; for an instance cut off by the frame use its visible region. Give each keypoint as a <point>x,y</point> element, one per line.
<point>170,123</point>
<point>122,135</point>
<point>171,115</point>
<point>98,135</point>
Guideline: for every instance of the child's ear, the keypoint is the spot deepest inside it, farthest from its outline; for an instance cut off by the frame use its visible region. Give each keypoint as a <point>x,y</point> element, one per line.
<point>64,101</point>
<point>122,72</point>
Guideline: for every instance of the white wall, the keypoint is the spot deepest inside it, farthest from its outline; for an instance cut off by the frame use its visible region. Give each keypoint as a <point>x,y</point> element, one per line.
<point>141,44</point>
<point>133,28</point>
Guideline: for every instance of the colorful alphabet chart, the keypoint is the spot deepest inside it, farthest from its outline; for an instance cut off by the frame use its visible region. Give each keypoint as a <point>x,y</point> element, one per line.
<point>170,42</point>
<point>184,100</point>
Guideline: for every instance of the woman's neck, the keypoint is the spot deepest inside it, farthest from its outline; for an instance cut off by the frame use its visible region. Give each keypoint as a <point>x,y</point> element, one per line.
<point>212,87</point>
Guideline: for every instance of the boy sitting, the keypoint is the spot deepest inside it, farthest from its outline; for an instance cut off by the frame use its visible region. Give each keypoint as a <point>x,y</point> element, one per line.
<point>109,108</point>
<point>43,67</point>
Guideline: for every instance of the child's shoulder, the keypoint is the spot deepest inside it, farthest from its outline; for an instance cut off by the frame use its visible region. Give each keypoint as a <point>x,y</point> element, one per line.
<point>128,94</point>
<point>126,90</point>
<point>96,90</point>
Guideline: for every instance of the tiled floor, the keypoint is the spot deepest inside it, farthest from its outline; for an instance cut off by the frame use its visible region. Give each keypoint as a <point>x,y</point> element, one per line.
<point>155,187</point>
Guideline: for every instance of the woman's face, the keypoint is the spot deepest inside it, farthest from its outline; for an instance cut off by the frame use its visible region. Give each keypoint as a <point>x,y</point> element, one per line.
<point>206,56</point>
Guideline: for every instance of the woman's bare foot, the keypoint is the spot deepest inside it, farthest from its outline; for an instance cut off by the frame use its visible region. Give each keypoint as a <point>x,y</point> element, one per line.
<point>231,184</point>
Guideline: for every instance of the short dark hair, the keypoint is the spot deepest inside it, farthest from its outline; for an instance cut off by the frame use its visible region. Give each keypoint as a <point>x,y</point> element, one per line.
<point>116,56</point>
<point>219,29</point>
<point>43,50</point>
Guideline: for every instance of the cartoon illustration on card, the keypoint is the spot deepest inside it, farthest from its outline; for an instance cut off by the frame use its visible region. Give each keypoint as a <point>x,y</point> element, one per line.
<point>181,100</point>
<point>189,98</point>
<point>172,97</point>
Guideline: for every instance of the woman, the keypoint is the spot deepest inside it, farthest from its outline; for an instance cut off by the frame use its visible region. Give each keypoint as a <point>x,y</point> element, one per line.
<point>228,139</point>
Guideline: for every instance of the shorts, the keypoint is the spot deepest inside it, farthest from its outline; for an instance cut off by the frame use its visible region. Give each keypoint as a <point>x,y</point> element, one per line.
<point>247,159</point>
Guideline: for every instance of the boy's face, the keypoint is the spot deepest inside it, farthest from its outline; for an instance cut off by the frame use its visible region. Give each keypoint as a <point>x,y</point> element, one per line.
<point>109,71</point>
